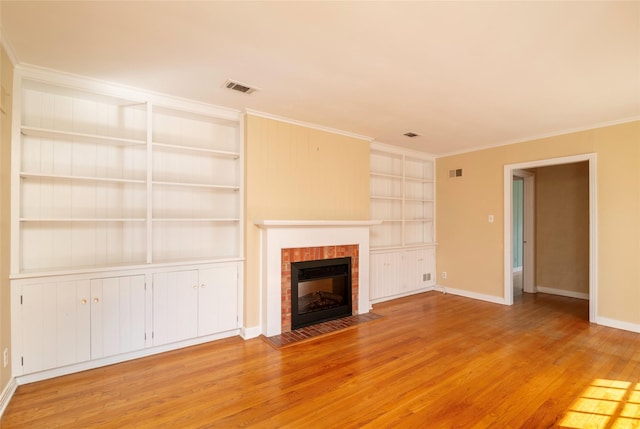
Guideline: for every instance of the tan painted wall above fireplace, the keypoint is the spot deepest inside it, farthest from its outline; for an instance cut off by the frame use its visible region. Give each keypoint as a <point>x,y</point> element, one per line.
<point>298,173</point>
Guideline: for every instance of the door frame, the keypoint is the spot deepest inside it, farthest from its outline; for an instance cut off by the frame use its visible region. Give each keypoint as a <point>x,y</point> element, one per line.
<point>509,170</point>
<point>528,231</point>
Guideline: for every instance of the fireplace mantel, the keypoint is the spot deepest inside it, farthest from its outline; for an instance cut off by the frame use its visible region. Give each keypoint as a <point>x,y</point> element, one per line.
<point>315,223</point>
<point>276,235</point>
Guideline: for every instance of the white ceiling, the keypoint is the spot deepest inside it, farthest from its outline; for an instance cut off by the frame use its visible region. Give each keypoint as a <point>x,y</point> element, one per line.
<point>462,75</point>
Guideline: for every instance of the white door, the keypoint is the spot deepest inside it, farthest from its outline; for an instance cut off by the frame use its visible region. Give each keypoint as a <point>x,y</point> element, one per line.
<point>117,315</point>
<point>175,306</point>
<point>56,325</point>
<point>218,299</point>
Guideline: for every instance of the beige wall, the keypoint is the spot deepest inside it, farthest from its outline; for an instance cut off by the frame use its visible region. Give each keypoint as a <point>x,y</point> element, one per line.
<point>562,227</point>
<point>471,249</point>
<point>6,80</point>
<point>294,172</point>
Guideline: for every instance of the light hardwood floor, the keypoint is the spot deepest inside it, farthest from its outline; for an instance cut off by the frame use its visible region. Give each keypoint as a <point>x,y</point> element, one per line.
<point>433,361</point>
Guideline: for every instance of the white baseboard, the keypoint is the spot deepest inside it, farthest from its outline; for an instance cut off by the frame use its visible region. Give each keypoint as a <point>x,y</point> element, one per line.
<point>561,292</point>
<point>618,324</point>
<point>252,332</point>
<point>474,295</point>
<point>7,394</point>
<point>400,295</point>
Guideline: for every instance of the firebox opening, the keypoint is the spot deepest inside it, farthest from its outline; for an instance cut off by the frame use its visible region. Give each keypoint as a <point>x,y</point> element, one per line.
<point>320,291</point>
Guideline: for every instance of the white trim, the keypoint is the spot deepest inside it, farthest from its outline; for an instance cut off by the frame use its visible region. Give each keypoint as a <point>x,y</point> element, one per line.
<point>315,223</point>
<point>251,332</point>
<point>618,324</point>
<point>593,223</point>
<point>561,292</point>
<point>112,89</point>
<point>543,136</point>
<point>306,124</point>
<point>472,295</point>
<point>376,145</point>
<point>404,294</point>
<point>7,394</point>
<point>8,47</point>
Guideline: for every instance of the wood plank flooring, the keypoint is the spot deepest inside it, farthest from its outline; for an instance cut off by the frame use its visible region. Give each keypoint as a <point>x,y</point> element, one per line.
<point>433,361</point>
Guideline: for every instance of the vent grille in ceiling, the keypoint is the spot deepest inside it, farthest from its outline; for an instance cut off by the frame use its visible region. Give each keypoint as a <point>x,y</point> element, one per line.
<point>236,86</point>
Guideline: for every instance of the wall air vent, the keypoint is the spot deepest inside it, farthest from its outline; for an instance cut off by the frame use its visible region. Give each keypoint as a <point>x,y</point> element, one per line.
<point>410,134</point>
<point>237,86</point>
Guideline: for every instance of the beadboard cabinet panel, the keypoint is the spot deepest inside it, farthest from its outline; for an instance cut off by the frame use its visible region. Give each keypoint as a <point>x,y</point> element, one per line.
<point>117,315</point>
<point>56,321</point>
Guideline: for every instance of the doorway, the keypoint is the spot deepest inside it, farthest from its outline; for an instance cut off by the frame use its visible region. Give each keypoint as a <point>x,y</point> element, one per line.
<point>523,203</point>
<point>512,170</point>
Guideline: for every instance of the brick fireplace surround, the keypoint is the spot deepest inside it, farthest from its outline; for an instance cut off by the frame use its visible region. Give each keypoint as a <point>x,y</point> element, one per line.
<point>309,235</point>
<point>303,254</point>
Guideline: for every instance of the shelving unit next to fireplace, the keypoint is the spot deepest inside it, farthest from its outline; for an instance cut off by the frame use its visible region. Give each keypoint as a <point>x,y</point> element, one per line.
<point>113,178</point>
<point>126,230</point>
<point>403,245</point>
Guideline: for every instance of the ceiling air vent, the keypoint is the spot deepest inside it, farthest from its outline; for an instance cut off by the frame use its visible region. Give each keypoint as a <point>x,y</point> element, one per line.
<point>237,86</point>
<point>410,134</point>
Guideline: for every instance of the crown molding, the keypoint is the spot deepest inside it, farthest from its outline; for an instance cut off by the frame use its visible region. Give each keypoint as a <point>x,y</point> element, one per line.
<point>307,124</point>
<point>8,48</point>
<point>376,145</point>
<point>544,136</point>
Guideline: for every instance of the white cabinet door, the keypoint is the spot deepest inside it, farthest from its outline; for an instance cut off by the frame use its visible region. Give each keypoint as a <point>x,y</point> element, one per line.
<point>384,277</point>
<point>218,300</point>
<point>418,269</point>
<point>56,325</point>
<point>175,306</point>
<point>117,315</point>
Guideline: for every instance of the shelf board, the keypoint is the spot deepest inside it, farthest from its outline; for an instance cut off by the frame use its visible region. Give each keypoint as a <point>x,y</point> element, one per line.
<point>385,175</point>
<point>197,185</point>
<point>391,221</point>
<point>88,138</point>
<point>78,178</point>
<point>418,179</point>
<point>418,200</point>
<point>101,219</point>
<point>219,153</point>
<point>380,197</point>
<point>199,219</point>
<point>426,219</point>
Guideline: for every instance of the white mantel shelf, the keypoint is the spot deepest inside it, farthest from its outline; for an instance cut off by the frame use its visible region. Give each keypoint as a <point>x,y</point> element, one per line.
<point>314,223</point>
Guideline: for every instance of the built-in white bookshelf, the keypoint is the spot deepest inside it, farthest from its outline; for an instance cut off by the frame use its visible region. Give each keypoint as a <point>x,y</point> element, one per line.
<point>126,233</point>
<point>403,248</point>
<point>103,179</point>
<point>403,197</point>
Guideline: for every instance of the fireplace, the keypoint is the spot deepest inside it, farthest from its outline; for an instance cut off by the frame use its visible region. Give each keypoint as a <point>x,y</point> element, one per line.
<point>320,291</point>
<point>284,242</point>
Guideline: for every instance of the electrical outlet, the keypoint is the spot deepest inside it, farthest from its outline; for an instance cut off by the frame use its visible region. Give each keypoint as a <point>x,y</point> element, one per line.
<point>444,274</point>
<point>5,358</point>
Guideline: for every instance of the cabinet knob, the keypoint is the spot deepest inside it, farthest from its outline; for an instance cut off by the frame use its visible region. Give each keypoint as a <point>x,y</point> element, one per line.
<point>84,301</point>
<point>96,299</point>
<point>195,286</point>
<point>202,285</point>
